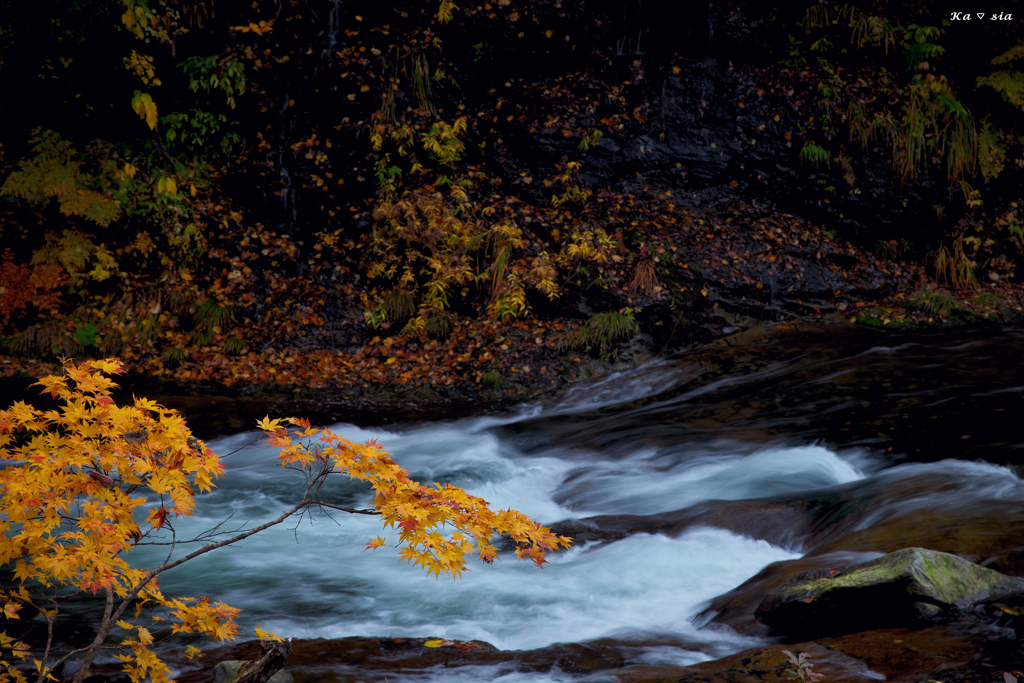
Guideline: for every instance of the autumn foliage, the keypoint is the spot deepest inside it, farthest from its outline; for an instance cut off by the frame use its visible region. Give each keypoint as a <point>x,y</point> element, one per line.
<point>419,512</point>
<point>88,481</point>
<point>22,284</point>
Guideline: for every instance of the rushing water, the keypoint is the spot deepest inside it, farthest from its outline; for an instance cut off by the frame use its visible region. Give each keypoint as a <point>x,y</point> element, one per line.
<point>634,449</point>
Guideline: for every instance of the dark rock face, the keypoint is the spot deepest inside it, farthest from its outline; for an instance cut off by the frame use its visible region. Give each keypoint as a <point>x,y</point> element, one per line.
<point>900,589</point>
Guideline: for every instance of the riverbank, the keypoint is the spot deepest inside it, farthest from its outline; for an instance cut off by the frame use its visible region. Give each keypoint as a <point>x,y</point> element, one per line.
<point>327,387</point>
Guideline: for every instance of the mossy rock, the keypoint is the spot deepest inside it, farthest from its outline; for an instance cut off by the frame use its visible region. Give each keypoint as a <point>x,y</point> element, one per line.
<point>902,589</point>
<point>225,672</point>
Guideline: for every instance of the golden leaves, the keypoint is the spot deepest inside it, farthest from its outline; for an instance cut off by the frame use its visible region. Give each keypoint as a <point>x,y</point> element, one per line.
<point>268,425</point>
<point>79,465</point>
<point>145,107</point>
<point>142,67</point>
<point>421,512</point>
<point>375,543</point>
<point>444,12</point>
<point>259,29</point>
<point>167,185</point>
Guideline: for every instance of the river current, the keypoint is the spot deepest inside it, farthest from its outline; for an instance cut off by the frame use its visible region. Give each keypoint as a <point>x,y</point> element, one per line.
<point>687,476</point>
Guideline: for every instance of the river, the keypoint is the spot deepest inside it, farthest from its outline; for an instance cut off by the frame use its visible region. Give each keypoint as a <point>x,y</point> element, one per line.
<point>682,479</point>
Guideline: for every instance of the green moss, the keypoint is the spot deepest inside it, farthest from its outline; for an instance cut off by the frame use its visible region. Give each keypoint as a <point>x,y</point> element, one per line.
<point>939,577</point>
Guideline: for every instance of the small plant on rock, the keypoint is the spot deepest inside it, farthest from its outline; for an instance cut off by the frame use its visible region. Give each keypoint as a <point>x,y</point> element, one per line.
<point>801,669</point>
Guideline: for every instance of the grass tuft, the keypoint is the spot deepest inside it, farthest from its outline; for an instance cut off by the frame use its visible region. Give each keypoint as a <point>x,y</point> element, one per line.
<point>398,305</point>
<point>173,356</point>
<point>440,324</point>
<point>601,331</point>
<point>234,346</point>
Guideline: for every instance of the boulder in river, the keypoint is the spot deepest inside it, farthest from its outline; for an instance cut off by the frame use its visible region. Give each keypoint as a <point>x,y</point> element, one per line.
<point>903,588</point>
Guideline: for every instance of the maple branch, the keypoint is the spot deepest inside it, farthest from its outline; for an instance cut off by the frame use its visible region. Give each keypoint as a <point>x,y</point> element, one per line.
<point>110,619</point>
<point>213,546</point>
<point>323,504</point>
<point>174,542</point>
<point>83,649</point>
<point>207,535</point>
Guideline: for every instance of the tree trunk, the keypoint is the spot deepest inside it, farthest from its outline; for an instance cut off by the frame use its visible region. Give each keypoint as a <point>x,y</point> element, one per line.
<point>274,655</point>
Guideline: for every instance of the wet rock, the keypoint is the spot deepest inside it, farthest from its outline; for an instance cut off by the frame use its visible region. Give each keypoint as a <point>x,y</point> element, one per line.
<point>899,589</point>
<point>952,653</point>
<point>365,659</point>
<point>957,652</point>
<point>736,608</point>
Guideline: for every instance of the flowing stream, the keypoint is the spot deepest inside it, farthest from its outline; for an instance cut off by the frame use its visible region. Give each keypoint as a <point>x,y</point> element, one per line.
<point>637,461</point>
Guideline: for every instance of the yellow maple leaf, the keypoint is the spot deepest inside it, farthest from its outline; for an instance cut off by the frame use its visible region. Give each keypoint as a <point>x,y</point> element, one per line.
<point>261,634</point>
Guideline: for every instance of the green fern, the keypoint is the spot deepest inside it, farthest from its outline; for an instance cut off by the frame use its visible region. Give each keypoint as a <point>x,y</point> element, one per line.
<point>1009,84</point>
<point>55,173</point>
<point>991,151</point>
<point>815,154</point>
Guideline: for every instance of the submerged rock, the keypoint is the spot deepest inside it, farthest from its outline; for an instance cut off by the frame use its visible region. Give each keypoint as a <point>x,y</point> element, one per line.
<point>902,588</point>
